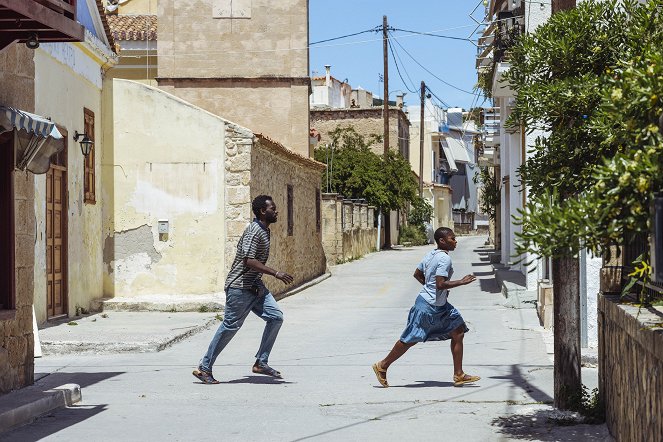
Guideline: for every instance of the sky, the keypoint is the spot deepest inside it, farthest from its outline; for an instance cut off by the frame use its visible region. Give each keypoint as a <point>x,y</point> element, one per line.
<point>359,59</point>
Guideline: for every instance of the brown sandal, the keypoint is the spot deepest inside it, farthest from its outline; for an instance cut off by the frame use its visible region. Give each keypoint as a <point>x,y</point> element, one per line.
<point>381,374</point>
<point>464,378</point>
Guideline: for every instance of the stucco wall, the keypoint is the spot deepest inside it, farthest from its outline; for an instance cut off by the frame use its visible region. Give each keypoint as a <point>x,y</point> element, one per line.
<point>79,87</point>
<point>273,168</point>
<point>232,67</point>
<point>164,160</point>
<point>631,369</point>
<point>283,106</point>
<point>16,336</point>
<point>348,229</point>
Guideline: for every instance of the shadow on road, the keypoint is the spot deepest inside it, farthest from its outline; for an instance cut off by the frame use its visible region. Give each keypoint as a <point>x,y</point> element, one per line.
<point>50,423</point>
<point>518,380</point>
<point>543,426</point>
<point>263,380</point>
<point>56,420</point>
<point>425,384</point>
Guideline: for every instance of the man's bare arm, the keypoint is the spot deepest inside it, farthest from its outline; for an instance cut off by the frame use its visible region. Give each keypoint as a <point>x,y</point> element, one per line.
<point>262,268</point>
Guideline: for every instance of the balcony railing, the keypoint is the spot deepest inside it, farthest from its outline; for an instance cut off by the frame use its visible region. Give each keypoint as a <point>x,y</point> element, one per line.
<point>39,21</point>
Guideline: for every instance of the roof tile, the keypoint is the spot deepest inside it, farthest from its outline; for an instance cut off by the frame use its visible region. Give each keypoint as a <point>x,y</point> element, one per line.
<point>133,27</point>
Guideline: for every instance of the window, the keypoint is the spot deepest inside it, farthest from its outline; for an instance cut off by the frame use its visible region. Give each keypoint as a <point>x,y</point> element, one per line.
<point>89,177</point>
<point>317,210</point>
<point>291,211</point>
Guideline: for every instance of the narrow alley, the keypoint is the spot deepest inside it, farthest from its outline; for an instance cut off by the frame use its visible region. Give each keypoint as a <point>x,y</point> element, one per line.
<point>332,334</point>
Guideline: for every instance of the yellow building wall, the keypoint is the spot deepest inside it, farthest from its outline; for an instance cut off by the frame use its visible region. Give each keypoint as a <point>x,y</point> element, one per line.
<point>253,70</point>
<point>163,160</point>
<point>138,7</point>
<point>61,94</point>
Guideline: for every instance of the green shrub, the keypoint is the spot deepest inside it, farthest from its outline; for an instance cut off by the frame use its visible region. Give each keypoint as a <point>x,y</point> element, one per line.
<point>414,235</point>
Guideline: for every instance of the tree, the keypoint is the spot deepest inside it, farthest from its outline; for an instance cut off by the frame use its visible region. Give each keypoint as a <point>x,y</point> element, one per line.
<point>354,171</point>
<point>585,78</point>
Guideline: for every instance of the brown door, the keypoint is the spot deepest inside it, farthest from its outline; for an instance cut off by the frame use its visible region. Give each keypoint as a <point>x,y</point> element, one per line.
<point>56,241</point>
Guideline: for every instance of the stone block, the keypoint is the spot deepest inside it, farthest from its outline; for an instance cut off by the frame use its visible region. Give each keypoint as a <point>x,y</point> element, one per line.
<point>235,228</point>
<point>25,251</point>
<point>239,163</point>
<point>24,286</point>
<point>24,216</point>
<point>24,187</point>
<point>238,195</point>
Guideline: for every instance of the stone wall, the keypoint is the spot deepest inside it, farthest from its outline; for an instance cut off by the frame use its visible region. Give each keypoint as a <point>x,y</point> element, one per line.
<point>631,369</point>
<point>258,165</point>
<point>367,122</point>
<point>348,229</point>
<point>16,336</point>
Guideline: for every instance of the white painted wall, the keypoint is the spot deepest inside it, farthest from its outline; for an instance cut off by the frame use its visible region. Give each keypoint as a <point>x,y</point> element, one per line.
<point>165,159</point>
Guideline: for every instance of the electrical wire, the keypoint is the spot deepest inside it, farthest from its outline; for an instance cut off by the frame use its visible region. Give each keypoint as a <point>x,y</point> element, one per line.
<point>393,54</point>
<point>431,34</point>
<point>375,29</point>
<point>431,73</point>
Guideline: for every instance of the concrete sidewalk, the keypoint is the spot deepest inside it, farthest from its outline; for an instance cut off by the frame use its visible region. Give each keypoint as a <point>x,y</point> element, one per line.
<point>122,332</point>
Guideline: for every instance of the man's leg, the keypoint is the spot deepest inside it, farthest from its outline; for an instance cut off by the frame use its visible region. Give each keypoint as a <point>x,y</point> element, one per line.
<point>239,303</point>
<point>270,312</point>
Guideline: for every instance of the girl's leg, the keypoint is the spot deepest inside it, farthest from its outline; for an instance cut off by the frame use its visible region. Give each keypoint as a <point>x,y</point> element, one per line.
<point>399,350</point>
<point>457,349</point>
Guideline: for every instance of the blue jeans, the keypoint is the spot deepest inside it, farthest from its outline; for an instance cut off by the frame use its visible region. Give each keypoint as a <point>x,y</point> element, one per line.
<point>239,302</point>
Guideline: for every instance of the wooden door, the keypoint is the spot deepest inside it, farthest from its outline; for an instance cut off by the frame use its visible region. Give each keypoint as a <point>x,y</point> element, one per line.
<point>56,241</point>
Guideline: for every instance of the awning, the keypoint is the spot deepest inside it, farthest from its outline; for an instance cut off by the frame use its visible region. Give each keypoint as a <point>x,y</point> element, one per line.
<point>458,149</point>
<point>36,138</point>
<point>450,157</point>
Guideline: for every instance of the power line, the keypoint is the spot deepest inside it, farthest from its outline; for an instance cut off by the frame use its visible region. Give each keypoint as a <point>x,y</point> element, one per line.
<point>431,34</point>
<point>375,29</point>
<point>393,54</point>
<point>431,73</point>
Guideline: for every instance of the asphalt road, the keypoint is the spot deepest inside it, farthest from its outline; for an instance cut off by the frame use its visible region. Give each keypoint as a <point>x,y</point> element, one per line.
<point>332,334</point>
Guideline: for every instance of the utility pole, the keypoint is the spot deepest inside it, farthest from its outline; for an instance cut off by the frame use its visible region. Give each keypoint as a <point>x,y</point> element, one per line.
<point>421,140</point>
<point>385,116</point>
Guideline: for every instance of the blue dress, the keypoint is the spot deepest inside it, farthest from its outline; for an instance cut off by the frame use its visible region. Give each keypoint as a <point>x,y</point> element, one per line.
<point>431,317</point>
<point>427,322</point>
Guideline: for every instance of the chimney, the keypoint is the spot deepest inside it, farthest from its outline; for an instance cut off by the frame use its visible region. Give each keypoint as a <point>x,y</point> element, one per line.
<point>327,75</point>
<point>399,101</point>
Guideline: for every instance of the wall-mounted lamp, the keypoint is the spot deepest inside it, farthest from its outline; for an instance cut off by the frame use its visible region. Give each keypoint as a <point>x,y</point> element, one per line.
<point>86,143</point>
<point>32,42</point>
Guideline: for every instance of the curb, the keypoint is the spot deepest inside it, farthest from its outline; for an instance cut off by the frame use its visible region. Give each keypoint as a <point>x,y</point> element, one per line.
<point>304,286</point>
<point>53,348</point>
<point>15,416</point>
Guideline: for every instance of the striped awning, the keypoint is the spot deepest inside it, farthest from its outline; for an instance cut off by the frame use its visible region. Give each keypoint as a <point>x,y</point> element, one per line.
<point>36,139</point>
<point>15,118</point>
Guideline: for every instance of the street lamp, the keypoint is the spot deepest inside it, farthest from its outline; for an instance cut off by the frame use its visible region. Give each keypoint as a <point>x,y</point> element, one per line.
<point>86,143</point>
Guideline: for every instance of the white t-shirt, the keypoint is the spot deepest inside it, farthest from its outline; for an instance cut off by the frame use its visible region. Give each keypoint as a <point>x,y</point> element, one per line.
<point>435,263</point>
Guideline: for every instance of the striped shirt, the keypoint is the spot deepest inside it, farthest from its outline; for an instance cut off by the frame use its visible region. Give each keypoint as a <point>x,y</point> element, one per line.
<point>253,244</point>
